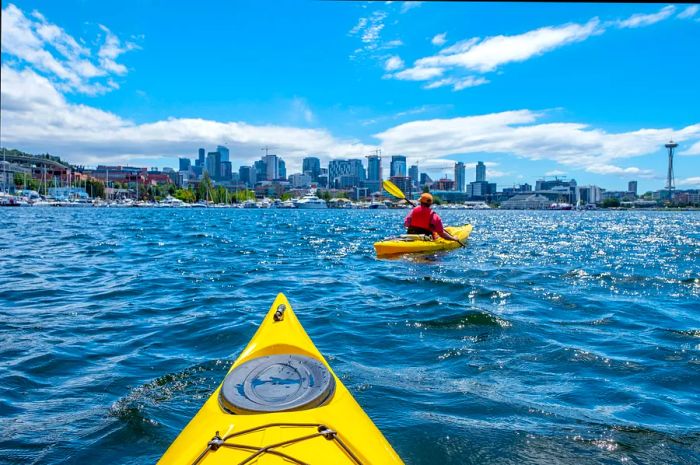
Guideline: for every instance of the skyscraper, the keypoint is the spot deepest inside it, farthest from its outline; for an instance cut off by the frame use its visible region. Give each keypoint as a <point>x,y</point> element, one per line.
<point>260,169</point>
<point>480,172</point>
<point>213,165</point>
<point>272,167</point>
<point>312,167</point>
<point>413,174</point>
<point>632,187</point>
<point>246,175</point>
<point>224,152</point>
<point>281,169</point>
<point>461,177</point>
<point>374,173</point>
<point>398,166</point>
<point>200,161</point>
<point>185,164</point>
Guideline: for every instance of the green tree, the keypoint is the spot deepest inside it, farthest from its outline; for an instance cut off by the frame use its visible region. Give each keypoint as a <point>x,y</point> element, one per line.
<point>95,188</point>
<point>426,189</point>
<point>186,195</point>
<point>611,203</point>
<point>204,188</point>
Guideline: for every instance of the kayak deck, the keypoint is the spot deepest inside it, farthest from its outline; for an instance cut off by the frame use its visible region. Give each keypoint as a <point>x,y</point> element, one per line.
<point>337,432</point>
<point>419,244</point>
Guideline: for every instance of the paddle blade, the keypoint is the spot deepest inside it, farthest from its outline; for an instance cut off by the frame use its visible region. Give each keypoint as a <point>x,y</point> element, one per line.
<point>391,188</point>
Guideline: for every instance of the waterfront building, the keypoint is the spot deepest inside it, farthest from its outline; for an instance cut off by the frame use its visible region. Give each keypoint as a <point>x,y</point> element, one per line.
<point>281,169</point>
<point>445,184</point>
<point>461,178</point>
<point>346,174</point>
<point>516,189</point>
<point>246,176</point>
<point>632,187</point>
<point>260,168</point>
<point>480,172</point>
<point>415,177</point>
<point>271,167</point>
<point>298,180</point>
<point>586,195</point>
<point>312,167</point>
<point>481,190</point>
<point>185,164</point>
<point>118,173</point>
<point>336,169</point>
<point>213,165</point>
<point>374,173</point>
<point>558,190</point>
<point>619,195</point>
<point>226,171</point>
<point>403,183</point>
<point>425,180</point>
<point>398,166</point>
<point>526,202</point>
<point>224,153</point>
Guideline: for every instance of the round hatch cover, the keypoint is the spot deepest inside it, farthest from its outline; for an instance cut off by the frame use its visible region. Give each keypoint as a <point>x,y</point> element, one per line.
<point>276,383</point>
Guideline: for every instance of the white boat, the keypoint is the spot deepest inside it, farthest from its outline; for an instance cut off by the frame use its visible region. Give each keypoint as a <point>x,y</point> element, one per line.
<point>250,204</point>
<point>311,201</point>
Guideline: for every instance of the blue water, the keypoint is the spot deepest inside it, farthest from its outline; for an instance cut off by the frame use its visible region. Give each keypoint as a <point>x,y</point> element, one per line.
<point>554,337</point>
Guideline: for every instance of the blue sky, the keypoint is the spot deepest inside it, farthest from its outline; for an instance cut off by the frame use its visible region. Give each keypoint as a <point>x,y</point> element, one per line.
<point>590,91</point>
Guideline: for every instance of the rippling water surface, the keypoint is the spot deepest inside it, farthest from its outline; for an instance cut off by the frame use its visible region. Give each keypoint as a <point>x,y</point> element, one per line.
<point>554,337</point>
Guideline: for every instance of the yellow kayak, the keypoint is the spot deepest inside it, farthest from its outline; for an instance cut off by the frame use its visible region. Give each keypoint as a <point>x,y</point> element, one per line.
<point>409,243</point>
<point>280,403</point>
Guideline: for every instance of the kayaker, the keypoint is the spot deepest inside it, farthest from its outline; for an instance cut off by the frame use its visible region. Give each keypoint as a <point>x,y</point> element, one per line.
<point>423,220</point>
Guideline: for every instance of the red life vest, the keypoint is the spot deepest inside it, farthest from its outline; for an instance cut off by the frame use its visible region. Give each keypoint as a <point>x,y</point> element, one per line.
<point>422,217</point>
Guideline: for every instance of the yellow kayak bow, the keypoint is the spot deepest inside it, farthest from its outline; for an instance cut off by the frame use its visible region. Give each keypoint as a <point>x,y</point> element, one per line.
<point>280,403</point>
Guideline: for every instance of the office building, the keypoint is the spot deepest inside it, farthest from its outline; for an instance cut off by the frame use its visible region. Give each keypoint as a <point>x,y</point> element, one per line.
<point>271,167</point>
<point>213,165</point>
<point>480,172</point>
<point>281,169</point>
<point>200,160</point>
<point>226,171</point>
<point>398,166</point>
<point>632,187</point>
<point>246,176</point>
<point>461,176</point>
<point>413,174</point>
<point>374,174</point>
<point>224,153</point>
<point>312,167</point>
<point>185,164</point>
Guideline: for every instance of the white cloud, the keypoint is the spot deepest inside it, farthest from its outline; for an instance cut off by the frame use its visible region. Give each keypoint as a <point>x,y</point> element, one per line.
<point>37,117</point>
<point>689,12</point>
<point>417,74</point>
<point>407,6</point>
<point>492,52</point>
<point>439,39</point>
<point>51,51</point>
<point>555,173</point>
<point>640,20</point>
<point>301,110</point>
<point>689,182</point>
<point>457,83</point>
<point>393,63</point>
<point>692,150</point>
<point>487,55</point>
<point>522,134</point>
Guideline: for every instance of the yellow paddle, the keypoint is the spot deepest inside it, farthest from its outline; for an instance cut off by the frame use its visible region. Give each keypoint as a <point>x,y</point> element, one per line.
<point>393,189</point>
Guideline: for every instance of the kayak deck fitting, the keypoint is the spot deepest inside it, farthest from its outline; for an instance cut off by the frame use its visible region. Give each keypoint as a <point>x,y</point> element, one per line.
<point>280,403</point>
<point>410,243</point>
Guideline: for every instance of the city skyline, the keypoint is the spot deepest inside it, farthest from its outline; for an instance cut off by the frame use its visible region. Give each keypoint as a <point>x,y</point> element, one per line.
<point>529,90</point>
